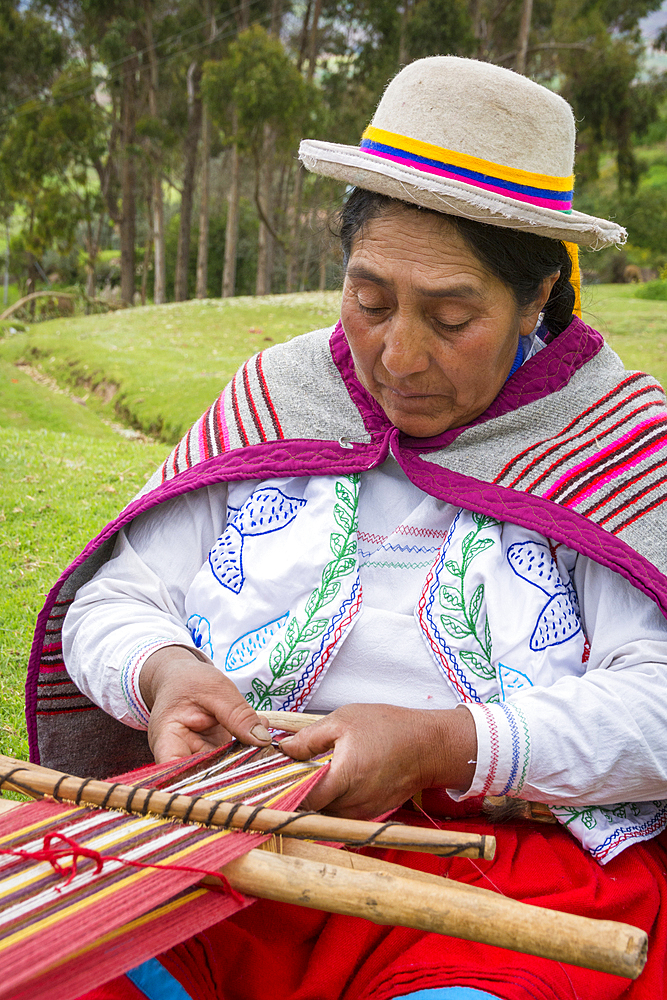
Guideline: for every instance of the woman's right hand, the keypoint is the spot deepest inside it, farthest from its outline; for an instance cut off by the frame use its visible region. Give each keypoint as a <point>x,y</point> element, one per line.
<point>194,706</point>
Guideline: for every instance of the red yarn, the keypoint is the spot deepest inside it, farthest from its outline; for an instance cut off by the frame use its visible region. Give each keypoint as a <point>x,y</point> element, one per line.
<point>76,851</point>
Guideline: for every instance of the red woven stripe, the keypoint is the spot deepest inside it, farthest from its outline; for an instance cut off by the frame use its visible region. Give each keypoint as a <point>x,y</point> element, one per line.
<point>629,449</point>
<point>251,405</point>
<point>267,397</point>
<point>237,415</point>
<point>580,434</point>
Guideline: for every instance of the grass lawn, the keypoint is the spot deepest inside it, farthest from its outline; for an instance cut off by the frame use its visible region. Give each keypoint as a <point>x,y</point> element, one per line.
<point>65,472</point>
<point>635,328</point>
<point>158,368</point>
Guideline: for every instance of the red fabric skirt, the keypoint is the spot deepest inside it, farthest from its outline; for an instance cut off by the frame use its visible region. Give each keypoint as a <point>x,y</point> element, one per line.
<point>291,953</point>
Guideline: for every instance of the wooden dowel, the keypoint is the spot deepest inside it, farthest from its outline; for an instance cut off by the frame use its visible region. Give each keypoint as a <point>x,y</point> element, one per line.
<point>448,908</point>
<point>337,881</point>
<point>217,813</point>
<point>291,722</point>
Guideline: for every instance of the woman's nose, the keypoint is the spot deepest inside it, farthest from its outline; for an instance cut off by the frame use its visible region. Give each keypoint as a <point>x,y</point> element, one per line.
<point>405,350</point>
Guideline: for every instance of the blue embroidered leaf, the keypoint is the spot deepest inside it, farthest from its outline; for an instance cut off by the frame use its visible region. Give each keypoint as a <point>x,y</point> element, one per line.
<point>276,657</point>
<point>345,495</point>
<point>246,649</point>
<point>337,543</point>
<point>557,623</point>
<point>484,521</point>
<point>450,597</point>
<point>453,567</point>
<point>343,517</point>
<point>267,510</point>
<point>476,603</point>
<point>313,629</point>
<point>477,665</point>
<point>225,559</point>
<point>455,628</point>
<point>475,549</point>
<point>512,679</point>
<point>534,563</point>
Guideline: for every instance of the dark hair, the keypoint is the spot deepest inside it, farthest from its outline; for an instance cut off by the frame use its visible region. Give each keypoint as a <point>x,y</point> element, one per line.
<point>521,260</point>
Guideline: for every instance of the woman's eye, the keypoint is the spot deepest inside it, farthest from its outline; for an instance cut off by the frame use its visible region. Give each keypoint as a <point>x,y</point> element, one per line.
<point>372,310</point>
<point>451,327</point>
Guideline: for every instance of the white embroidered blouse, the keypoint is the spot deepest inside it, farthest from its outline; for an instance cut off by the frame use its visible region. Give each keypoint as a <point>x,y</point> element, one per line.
<point>593,737</point>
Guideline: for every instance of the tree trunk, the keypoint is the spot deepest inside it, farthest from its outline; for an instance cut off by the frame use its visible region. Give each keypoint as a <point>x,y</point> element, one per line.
<point>264,241</point>
<point>232,229</point>
<point>524,33</point>
<point>191,141</point>
<point>294,229</point>
<point>128,181</point>
<point>160,273</point>
<point>148,244</point>
<point>202,249</point>
<point>323,268</point>
<point>313,47</point>
<point>406,15</point>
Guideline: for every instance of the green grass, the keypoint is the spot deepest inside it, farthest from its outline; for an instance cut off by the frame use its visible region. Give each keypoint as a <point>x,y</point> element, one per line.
<point>65,473</point>
<point>635,328</point>
<point>158,368</point>
<point>58,490</point>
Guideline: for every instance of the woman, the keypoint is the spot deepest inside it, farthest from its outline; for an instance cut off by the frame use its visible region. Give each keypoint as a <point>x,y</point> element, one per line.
<point>441,525</point>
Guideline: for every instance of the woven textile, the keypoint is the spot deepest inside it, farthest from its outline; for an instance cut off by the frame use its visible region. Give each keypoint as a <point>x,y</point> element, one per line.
<point>82,932</point>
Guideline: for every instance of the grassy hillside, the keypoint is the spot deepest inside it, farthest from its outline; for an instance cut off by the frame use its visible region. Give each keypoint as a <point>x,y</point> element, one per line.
<point>159,367</point>
<point>65,472</point>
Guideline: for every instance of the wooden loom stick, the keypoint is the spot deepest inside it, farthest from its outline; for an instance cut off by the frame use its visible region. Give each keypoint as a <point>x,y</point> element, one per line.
<point>291,722</point>
<point>438,905</point>
<point>215,812</point>
<point>342,882</point>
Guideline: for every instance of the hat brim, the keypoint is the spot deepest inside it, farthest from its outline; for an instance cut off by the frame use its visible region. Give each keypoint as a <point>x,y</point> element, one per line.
<point>352,165</point>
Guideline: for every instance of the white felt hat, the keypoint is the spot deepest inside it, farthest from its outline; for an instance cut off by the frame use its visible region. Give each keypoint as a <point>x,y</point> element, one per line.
<point>472,139</point>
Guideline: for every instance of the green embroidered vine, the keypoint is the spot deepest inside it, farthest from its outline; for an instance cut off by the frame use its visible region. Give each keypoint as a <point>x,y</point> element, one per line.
<point>453,597</point>
<point>285,657</point>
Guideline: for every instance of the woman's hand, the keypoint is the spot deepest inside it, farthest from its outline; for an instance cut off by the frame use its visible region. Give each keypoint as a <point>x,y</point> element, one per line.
<point>193,706</point>
<point>383,755</point>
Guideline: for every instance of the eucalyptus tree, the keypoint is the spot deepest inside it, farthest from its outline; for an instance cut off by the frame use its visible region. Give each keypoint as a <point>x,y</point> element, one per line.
<point>254,87</point>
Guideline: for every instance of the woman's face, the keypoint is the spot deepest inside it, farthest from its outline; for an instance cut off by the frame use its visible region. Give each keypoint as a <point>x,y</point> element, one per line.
<point>433,334</point>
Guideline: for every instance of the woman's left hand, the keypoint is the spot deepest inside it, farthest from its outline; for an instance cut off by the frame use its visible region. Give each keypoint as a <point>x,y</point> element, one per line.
<point>384,754</point>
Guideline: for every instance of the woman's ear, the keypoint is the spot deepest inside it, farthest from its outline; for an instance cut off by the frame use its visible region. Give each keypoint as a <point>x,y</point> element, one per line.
<point>530,314</point>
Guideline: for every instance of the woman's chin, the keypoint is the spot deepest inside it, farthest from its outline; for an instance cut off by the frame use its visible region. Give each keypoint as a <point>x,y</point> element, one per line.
<point>421,425</point>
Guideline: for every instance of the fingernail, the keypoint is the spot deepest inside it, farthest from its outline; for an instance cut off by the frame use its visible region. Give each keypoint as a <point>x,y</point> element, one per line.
<point>260,732</point>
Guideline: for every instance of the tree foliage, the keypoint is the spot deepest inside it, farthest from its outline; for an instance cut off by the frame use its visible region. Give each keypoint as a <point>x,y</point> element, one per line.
<point>100,111</point>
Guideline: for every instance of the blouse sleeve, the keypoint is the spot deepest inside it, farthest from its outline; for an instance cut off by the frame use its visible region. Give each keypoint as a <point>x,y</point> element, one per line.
<point>594,739</point>
<point>135,603</point>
